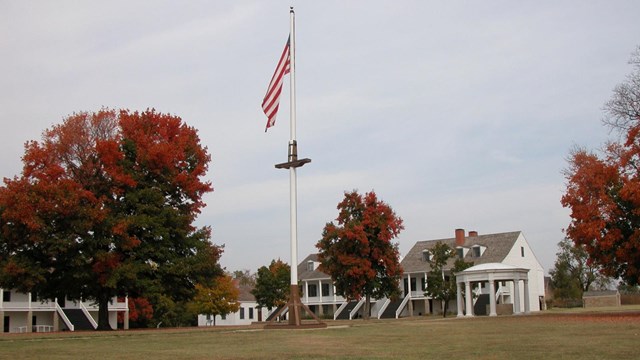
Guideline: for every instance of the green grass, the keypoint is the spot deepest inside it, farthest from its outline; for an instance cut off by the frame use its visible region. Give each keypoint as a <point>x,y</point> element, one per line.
<point>557,334</point>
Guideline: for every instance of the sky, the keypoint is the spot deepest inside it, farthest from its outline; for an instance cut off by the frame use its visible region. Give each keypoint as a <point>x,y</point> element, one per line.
<point>458,114</point>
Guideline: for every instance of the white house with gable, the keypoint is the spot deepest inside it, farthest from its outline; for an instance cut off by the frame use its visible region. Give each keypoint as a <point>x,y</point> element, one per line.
<point>506,276</point>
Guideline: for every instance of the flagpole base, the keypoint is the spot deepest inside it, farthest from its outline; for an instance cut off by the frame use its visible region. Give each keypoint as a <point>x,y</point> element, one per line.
<point>296,307</point>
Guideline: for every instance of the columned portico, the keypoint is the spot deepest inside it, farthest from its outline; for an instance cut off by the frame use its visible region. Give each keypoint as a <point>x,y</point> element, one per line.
<point>492,272</point>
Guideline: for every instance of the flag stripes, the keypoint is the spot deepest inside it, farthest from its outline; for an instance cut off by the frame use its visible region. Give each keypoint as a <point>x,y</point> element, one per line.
<point>271,100</point>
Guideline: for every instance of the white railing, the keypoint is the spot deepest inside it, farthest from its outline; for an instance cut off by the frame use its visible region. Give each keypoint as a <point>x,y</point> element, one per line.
<point>402,305</point>
<point>25,305</point>
<point>64,317</point>
<point>88,315</point>
<point>356,308</point>
<point>344,305</point>
<point>383,307</point>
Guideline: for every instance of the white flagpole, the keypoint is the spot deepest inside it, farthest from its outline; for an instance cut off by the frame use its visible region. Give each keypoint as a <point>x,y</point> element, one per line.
<point>293,186</point>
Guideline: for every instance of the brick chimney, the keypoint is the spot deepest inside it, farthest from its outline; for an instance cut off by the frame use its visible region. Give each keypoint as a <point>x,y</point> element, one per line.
<point>473,233</point>
<point>459,237</point>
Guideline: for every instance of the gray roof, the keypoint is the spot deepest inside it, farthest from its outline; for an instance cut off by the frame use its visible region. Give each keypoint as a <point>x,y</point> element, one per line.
<point>305,274</point>
<point>497,248</point>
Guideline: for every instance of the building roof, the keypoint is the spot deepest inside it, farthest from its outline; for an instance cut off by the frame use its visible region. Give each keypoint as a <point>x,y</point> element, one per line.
<point>305,274</point>
<point>245,292</point>
<point>496,248</point>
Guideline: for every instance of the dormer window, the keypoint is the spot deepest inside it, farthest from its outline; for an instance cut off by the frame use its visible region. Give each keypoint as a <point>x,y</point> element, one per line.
<point>426,256</point>
<point>461,252</point>
<point>310,266</point>
<point>477,250</point>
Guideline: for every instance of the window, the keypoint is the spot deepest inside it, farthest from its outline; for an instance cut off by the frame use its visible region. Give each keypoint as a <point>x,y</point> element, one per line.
<point>522,251</point>
<point>313,290</point>
<point>476,251</point>
<point>325,290</point>
<point>223,316</point>
<point>250,313</point>
<point>241,313</point>
<point>6,296</point>
<point>310,266</point>
<point>460,252</point>
<point>426,256</point>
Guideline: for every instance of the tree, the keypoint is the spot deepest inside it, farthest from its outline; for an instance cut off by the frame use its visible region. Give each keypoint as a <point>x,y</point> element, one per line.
<point>358,251</point>
<point>573,274</point>
<point>603,191</point>
<point>245,277</point>
<point>219,299</point>
<point>273,285</point>
<point>105,207</point>
<point>441,286</point>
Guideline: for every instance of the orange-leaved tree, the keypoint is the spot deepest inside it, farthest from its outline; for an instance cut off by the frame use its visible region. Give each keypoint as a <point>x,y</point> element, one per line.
<point>603,190</point>
<point>105,207</point>
<point>219,298</point>
<point>358,251</point>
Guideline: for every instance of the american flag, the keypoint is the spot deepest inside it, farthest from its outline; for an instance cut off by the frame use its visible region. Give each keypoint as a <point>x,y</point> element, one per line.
<point>271,100</point>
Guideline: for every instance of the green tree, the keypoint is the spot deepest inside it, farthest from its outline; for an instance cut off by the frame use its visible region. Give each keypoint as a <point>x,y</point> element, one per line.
<point>273,285</point>
<point>219,299</point>
<point>358,251</point>
<point>573,273</point>
<point>441,282</point>
<point>105,207</point>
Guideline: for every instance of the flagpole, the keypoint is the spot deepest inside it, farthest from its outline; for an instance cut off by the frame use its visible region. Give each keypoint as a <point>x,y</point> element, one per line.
<point>293,182</point>
<point>294,305</point>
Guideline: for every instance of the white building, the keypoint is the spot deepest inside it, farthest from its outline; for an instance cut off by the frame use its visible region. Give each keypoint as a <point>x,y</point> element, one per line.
<point>499,253</point>
<point>248,313</point>
<point>20,312</point>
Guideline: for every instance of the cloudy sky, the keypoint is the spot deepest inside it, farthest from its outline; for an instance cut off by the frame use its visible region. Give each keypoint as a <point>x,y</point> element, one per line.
<point>458,114</point>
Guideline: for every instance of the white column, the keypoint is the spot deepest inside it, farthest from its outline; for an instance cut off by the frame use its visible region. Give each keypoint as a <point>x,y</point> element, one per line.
<point>320,289</point>
<point>459,298</point>
<point>516,296</point>
<point>306,291</point>
<point>492,298</point>
<point>468,297</point>
<point>409,285</point>
<point>335,297</point>
<point>527,305</point>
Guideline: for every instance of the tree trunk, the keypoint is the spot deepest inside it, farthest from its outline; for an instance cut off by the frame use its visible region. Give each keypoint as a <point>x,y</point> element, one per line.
<point>445,307</point>
<point>367,307</point>
<point>103,312</point>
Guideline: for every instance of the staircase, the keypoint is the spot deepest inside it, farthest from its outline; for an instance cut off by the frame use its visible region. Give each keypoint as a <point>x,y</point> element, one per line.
<point>390,311</point>
<point>273,314</point>
<point>344,314</point>
<point>78,319</point>
<point>480,307</point>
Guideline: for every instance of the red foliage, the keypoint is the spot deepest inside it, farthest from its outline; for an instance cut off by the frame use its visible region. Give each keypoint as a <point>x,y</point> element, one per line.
<point>139,309</point>
<point>603,195</point>
<point>358,251</point>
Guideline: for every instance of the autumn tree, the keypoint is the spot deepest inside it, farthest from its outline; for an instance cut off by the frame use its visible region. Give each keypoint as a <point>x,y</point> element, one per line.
<point>105,207</point>
<point>441,281</point>
<point>603,189</point>
<point>357,250</point>
<point>573,273</point>
<point>272,285</point>
<point>221,298</point>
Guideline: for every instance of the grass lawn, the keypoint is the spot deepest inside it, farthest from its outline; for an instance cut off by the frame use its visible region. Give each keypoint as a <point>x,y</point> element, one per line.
<point>555,334</point>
